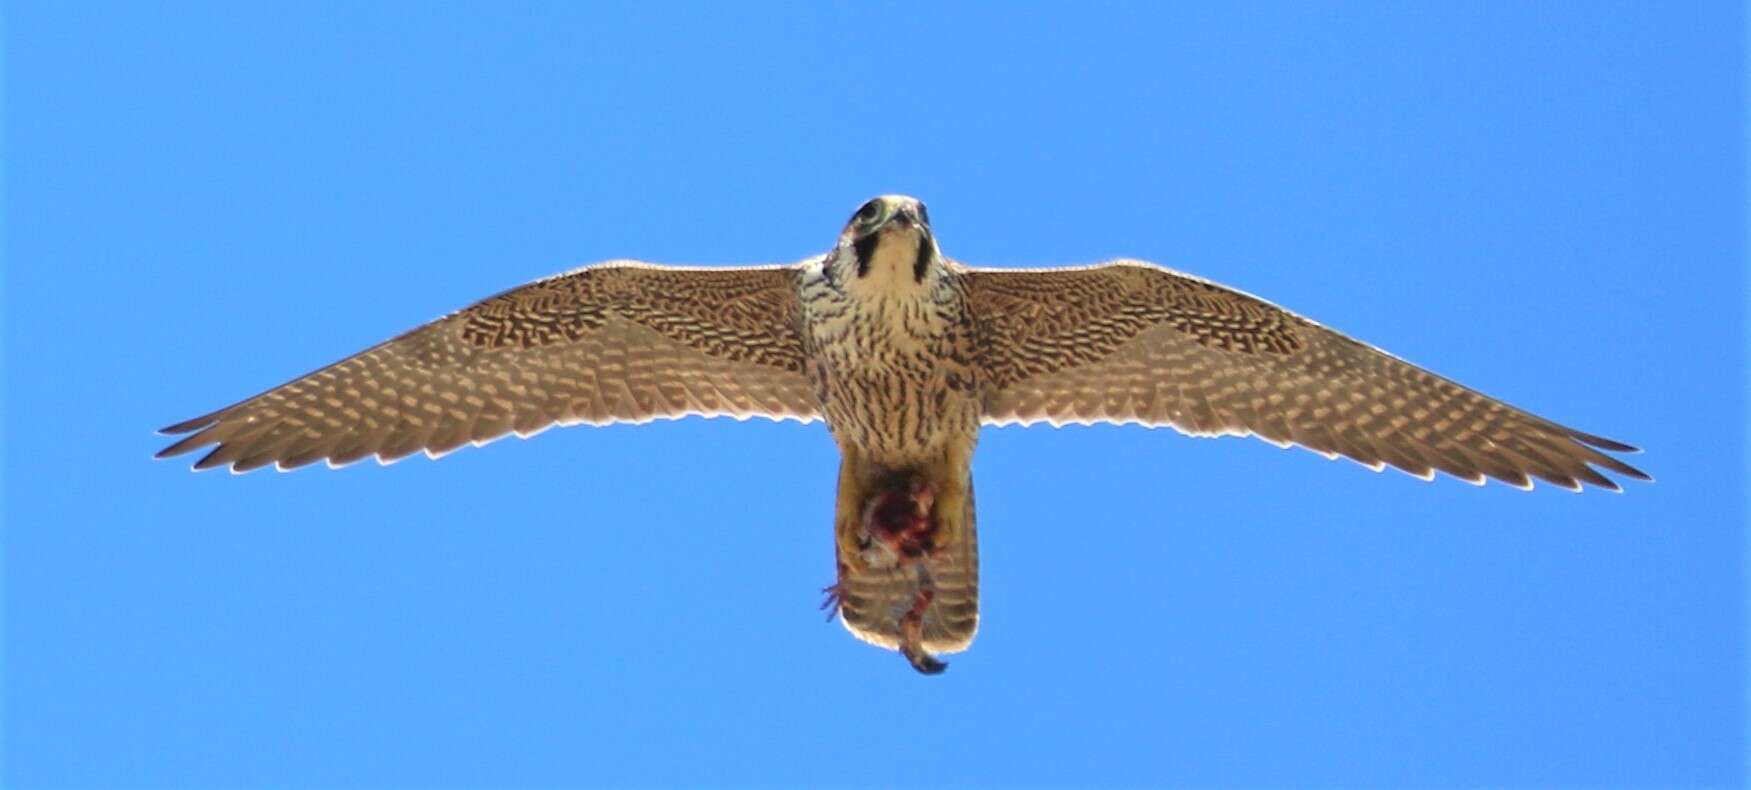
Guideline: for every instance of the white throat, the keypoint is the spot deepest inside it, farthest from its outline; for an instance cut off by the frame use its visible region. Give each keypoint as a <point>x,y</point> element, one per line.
<point>891,269</point>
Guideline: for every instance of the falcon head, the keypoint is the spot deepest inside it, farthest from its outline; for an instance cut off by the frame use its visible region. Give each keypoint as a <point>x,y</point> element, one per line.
<point>888,245</point>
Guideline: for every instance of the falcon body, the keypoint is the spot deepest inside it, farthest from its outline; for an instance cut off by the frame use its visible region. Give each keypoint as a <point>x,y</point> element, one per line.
<point>891,337</point>
<point>904,354</point>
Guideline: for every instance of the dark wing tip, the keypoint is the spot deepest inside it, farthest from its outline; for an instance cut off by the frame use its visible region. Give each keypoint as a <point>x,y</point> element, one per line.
<point>187,426</point>
<point>1604,443</point>
<point>1629,471</point>
<point>185,445</point>
<point>1617,465</point>
<point>209,461</point>
<point>1590,442</point>
<point>1607,444</point>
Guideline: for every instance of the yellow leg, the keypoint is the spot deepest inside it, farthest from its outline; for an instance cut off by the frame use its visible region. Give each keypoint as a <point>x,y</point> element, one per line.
<point>856,484</point>
<point>951,475</point>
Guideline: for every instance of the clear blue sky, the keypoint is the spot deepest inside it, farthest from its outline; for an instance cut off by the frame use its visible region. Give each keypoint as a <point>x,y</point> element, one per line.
<point>1547,203</point>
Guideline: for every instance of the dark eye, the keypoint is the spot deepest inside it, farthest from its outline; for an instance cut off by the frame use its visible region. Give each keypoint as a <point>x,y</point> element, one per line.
<point>923,214</point>
<point>870,212</point>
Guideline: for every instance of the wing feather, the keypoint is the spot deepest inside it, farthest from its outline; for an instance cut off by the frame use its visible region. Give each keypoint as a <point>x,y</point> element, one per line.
<point>1129,341</point>
<point>615,342</point>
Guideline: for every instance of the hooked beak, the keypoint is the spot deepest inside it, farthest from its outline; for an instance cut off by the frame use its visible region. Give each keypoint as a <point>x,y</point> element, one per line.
<point>900,218</point>
<point>896,216</point>
<point>905,217</point>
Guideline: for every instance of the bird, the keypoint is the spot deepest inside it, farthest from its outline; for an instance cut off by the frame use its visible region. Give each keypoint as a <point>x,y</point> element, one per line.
<point>905,355</point>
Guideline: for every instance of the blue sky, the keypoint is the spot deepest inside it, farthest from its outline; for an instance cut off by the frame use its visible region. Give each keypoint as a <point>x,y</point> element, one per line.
<point>1547,203</point>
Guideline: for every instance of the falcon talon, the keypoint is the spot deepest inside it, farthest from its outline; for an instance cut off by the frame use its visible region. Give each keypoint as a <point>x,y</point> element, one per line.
<point>925,663</point>
<point>912,630</point>
<point>905,355</point>
<point>830,604</point>
<point>834,594</point>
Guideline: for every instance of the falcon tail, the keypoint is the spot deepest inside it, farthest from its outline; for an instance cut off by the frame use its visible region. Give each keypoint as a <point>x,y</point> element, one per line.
<point>918,591</point>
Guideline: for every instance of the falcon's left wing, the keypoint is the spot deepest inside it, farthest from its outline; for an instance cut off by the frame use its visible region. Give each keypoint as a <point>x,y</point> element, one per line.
<point>1129,341</point>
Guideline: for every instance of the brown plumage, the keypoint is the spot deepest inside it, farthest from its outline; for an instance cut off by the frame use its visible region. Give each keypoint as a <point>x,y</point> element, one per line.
<point>615,342</point>
<point>1129,341</point>
<point>904,354</point>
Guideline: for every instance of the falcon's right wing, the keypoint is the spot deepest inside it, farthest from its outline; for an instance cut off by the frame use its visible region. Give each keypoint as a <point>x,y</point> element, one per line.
<point>613,342</point>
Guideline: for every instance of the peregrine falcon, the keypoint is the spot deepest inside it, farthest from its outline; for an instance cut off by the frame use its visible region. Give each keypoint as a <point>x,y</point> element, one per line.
<point>904,354</point>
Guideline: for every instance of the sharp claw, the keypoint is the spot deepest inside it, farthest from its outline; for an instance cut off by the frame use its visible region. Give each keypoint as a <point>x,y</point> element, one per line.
<point>912,629</point>
<point>834,593</point>
<point>925,663</point>
<point>830,604</point>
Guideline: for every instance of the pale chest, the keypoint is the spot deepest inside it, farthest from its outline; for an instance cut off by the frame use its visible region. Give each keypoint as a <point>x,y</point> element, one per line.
<point>893,372</point>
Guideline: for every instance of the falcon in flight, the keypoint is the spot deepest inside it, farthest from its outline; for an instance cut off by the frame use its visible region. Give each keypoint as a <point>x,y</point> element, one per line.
<point>904,354</point>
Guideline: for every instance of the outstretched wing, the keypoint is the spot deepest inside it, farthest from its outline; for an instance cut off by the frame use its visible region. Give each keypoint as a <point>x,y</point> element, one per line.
<point>1127,341</point>
<point>615,342</point>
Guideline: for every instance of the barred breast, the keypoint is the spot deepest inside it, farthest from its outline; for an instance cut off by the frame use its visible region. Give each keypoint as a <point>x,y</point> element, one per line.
<point>892,371</point>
